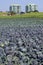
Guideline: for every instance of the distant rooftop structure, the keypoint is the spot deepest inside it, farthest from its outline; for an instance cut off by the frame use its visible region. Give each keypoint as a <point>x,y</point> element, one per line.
<point>31,7</point>
<point>16,8</point>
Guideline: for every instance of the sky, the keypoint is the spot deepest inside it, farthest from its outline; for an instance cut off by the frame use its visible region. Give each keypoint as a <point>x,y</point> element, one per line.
<point>4,4</point>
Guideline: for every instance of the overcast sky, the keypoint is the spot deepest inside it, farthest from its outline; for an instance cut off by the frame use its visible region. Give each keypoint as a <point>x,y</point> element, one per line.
<point>4,4</point>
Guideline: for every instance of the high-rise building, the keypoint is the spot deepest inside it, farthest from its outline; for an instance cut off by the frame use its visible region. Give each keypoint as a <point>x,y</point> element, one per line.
<point>16,8</point>
<point>31,7</point>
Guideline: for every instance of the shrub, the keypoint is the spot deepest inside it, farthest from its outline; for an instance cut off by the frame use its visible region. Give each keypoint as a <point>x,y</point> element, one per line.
<point>12,13</point>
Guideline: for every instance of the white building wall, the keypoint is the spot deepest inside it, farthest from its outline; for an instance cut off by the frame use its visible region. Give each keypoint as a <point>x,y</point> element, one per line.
<point>34,7</point>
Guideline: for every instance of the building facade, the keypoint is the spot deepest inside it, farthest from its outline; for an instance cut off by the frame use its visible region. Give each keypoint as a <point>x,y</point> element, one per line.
<point>31,7</point>
<point>16,8</point>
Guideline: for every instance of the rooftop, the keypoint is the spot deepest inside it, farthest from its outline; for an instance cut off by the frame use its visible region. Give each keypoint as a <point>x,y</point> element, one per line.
<point>15,5</point>
<point>30,4</point>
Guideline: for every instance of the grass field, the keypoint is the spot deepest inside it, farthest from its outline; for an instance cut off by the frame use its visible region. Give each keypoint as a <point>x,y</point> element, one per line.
<point>26,15</point>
